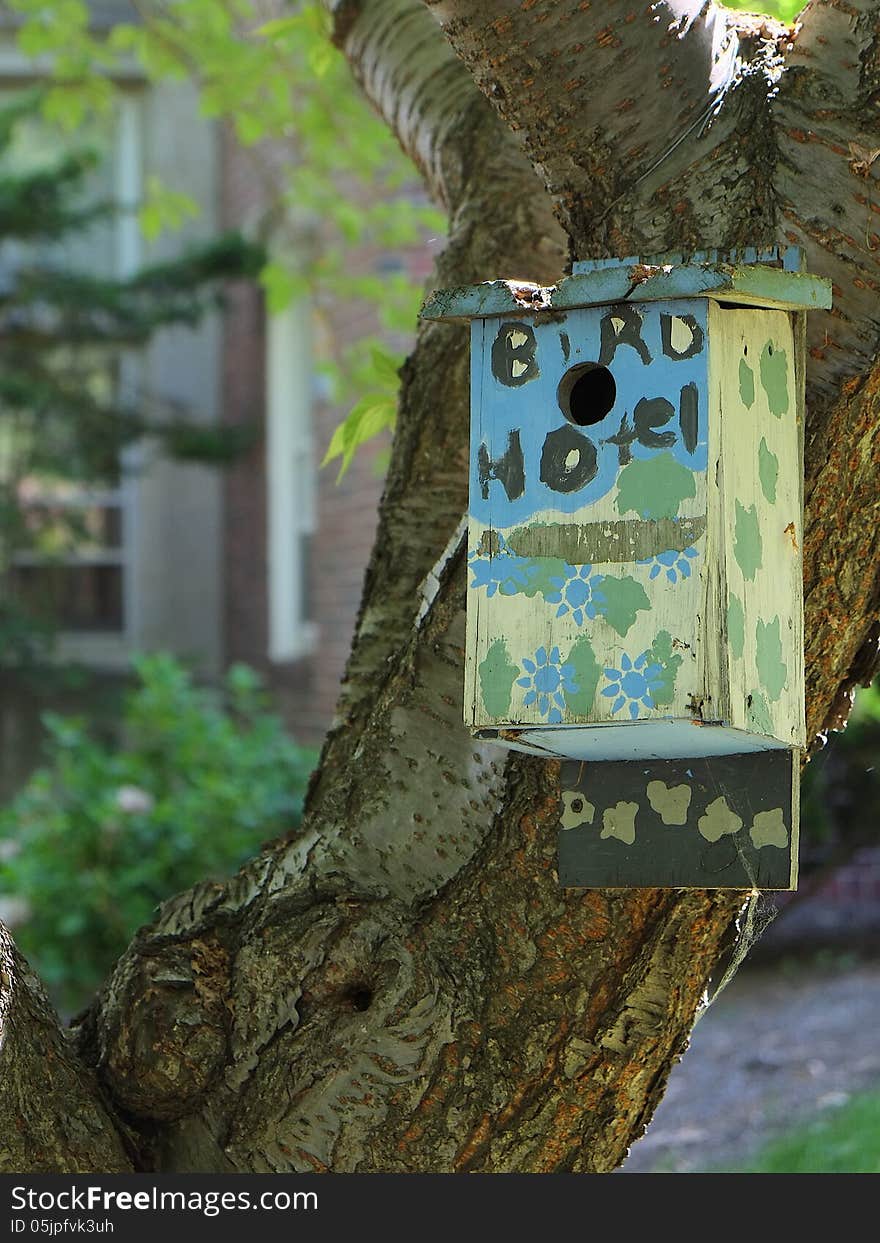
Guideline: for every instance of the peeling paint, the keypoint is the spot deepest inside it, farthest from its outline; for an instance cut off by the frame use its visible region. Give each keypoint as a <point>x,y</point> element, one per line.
<point>609,542</point>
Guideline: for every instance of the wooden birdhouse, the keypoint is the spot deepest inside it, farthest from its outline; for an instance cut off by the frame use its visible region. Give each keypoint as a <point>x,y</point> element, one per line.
<point>634,563</point>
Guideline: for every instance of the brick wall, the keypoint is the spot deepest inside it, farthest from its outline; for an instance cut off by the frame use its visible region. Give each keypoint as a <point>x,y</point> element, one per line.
<point>346,513</point>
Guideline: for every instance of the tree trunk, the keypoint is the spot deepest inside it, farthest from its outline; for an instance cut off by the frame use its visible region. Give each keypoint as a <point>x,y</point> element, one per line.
<point>404,986</point>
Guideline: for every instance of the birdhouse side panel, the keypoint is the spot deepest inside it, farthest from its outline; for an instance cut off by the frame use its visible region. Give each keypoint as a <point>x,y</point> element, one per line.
<point>587,539</point>
<point>756,525</point>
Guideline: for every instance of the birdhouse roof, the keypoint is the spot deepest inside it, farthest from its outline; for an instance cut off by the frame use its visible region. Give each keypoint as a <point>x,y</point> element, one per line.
<point>751,277</point>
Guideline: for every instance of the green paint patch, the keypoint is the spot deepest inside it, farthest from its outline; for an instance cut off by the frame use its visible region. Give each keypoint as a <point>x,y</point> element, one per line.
<point>654,487</point>
<point>768,471</point>
<point>623,599</point>
<point>539,574</point>
<point>771,667</point>
<point>497,675</point>
<point>587,673</point>
<point>774,379</point>
<point>747,546</point>
<point>746,384</point>
<point>669,662</point>
<point>736,626</point>
<point>758,714</point>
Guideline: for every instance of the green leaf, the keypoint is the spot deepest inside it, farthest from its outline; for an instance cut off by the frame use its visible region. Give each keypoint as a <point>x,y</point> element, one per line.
<point>385,366</point>
<point>654,487</point>
<point>669,662</point>
<point>774,379</point>
<point>746,384</point>
<point>497,676</point>
<point>758,714</point>
<point>747,545</point>
<point>163,209</point>
<point>373,414</point>
<point>768,471</point>
<point>771,667</point>
<point>587,674</point>
<point>321,58</point>
<point>623,599</point>
<point>282,286</point>
<point>279,26</point>
<point>539,573</point>
<point>249,128</point>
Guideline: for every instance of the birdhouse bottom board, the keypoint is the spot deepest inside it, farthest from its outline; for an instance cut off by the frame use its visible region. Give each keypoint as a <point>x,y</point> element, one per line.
<point>712,822</point>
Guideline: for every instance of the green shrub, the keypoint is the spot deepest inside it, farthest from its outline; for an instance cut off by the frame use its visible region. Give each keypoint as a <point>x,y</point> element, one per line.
<point>102,834</point>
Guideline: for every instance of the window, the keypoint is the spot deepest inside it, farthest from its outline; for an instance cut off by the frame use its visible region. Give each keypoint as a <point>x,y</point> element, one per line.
<point>290,482</point>
<point>71,560</point>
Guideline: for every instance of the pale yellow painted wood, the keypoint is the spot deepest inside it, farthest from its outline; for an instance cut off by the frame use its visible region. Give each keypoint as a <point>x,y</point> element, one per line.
<point>755,588</point>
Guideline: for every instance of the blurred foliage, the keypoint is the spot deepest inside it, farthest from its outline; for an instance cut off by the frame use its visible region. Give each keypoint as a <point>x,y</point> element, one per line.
<point>65,417</point>
<point>845,1141</point>
<point>840,788</point>
<point>784,10</point>
<point>332,173</point>
<point>102,832</point>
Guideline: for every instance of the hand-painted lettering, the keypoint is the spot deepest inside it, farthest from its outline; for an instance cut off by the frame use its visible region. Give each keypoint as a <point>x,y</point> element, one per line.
<point>509,469</point>
<point>680,336</point>
<point>621,326</point>
<point>689,417</point>
<point>568,460</point>
<point>514,352</point>
<point>651,413</point>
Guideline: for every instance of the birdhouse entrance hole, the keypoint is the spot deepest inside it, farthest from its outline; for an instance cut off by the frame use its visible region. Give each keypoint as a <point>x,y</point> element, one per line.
<point>586,394</point>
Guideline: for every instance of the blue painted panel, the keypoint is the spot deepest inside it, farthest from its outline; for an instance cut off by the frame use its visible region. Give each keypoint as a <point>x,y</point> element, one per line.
<point>513,415</point>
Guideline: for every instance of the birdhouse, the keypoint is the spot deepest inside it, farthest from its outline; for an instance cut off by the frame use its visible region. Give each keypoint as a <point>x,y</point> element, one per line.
<point>634,555</point>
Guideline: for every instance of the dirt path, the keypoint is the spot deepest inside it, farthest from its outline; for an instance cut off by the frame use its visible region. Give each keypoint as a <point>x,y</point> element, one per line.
<point>783,1043</point>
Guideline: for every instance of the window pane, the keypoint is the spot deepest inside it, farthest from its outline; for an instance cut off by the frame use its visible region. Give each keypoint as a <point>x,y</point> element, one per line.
<point>37,145</point>
<point>75,597</point>
<point>71,530</point>
<point>304,568</point>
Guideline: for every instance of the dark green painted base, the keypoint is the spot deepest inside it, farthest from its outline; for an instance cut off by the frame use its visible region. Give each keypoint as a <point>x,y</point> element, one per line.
<point>724,822</point>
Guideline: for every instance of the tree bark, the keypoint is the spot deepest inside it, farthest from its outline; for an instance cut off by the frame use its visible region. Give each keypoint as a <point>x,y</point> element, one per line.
<point>404,986</point>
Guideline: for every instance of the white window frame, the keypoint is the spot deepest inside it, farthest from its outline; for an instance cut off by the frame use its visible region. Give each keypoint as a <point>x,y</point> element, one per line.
<point>290,479</point>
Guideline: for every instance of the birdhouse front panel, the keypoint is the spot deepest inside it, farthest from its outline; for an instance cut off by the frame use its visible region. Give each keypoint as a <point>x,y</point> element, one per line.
<point>590,446</point>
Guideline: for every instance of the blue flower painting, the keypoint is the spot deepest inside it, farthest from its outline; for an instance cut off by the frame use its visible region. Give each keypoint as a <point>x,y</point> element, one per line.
<point>579,593</point>
<point>675,563</point>
<point>546,682</point>
<point>503,572</point>
<point>634,684</point>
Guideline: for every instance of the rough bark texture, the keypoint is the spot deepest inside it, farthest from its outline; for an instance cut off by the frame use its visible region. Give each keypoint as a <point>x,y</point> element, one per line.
<point>404,986</point>
<point>52,1116</point>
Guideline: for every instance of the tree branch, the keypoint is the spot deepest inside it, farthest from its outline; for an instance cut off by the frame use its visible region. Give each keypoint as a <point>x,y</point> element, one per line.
<point>52,1118</point>
<point>828,184</point>
<point>598,93</point>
